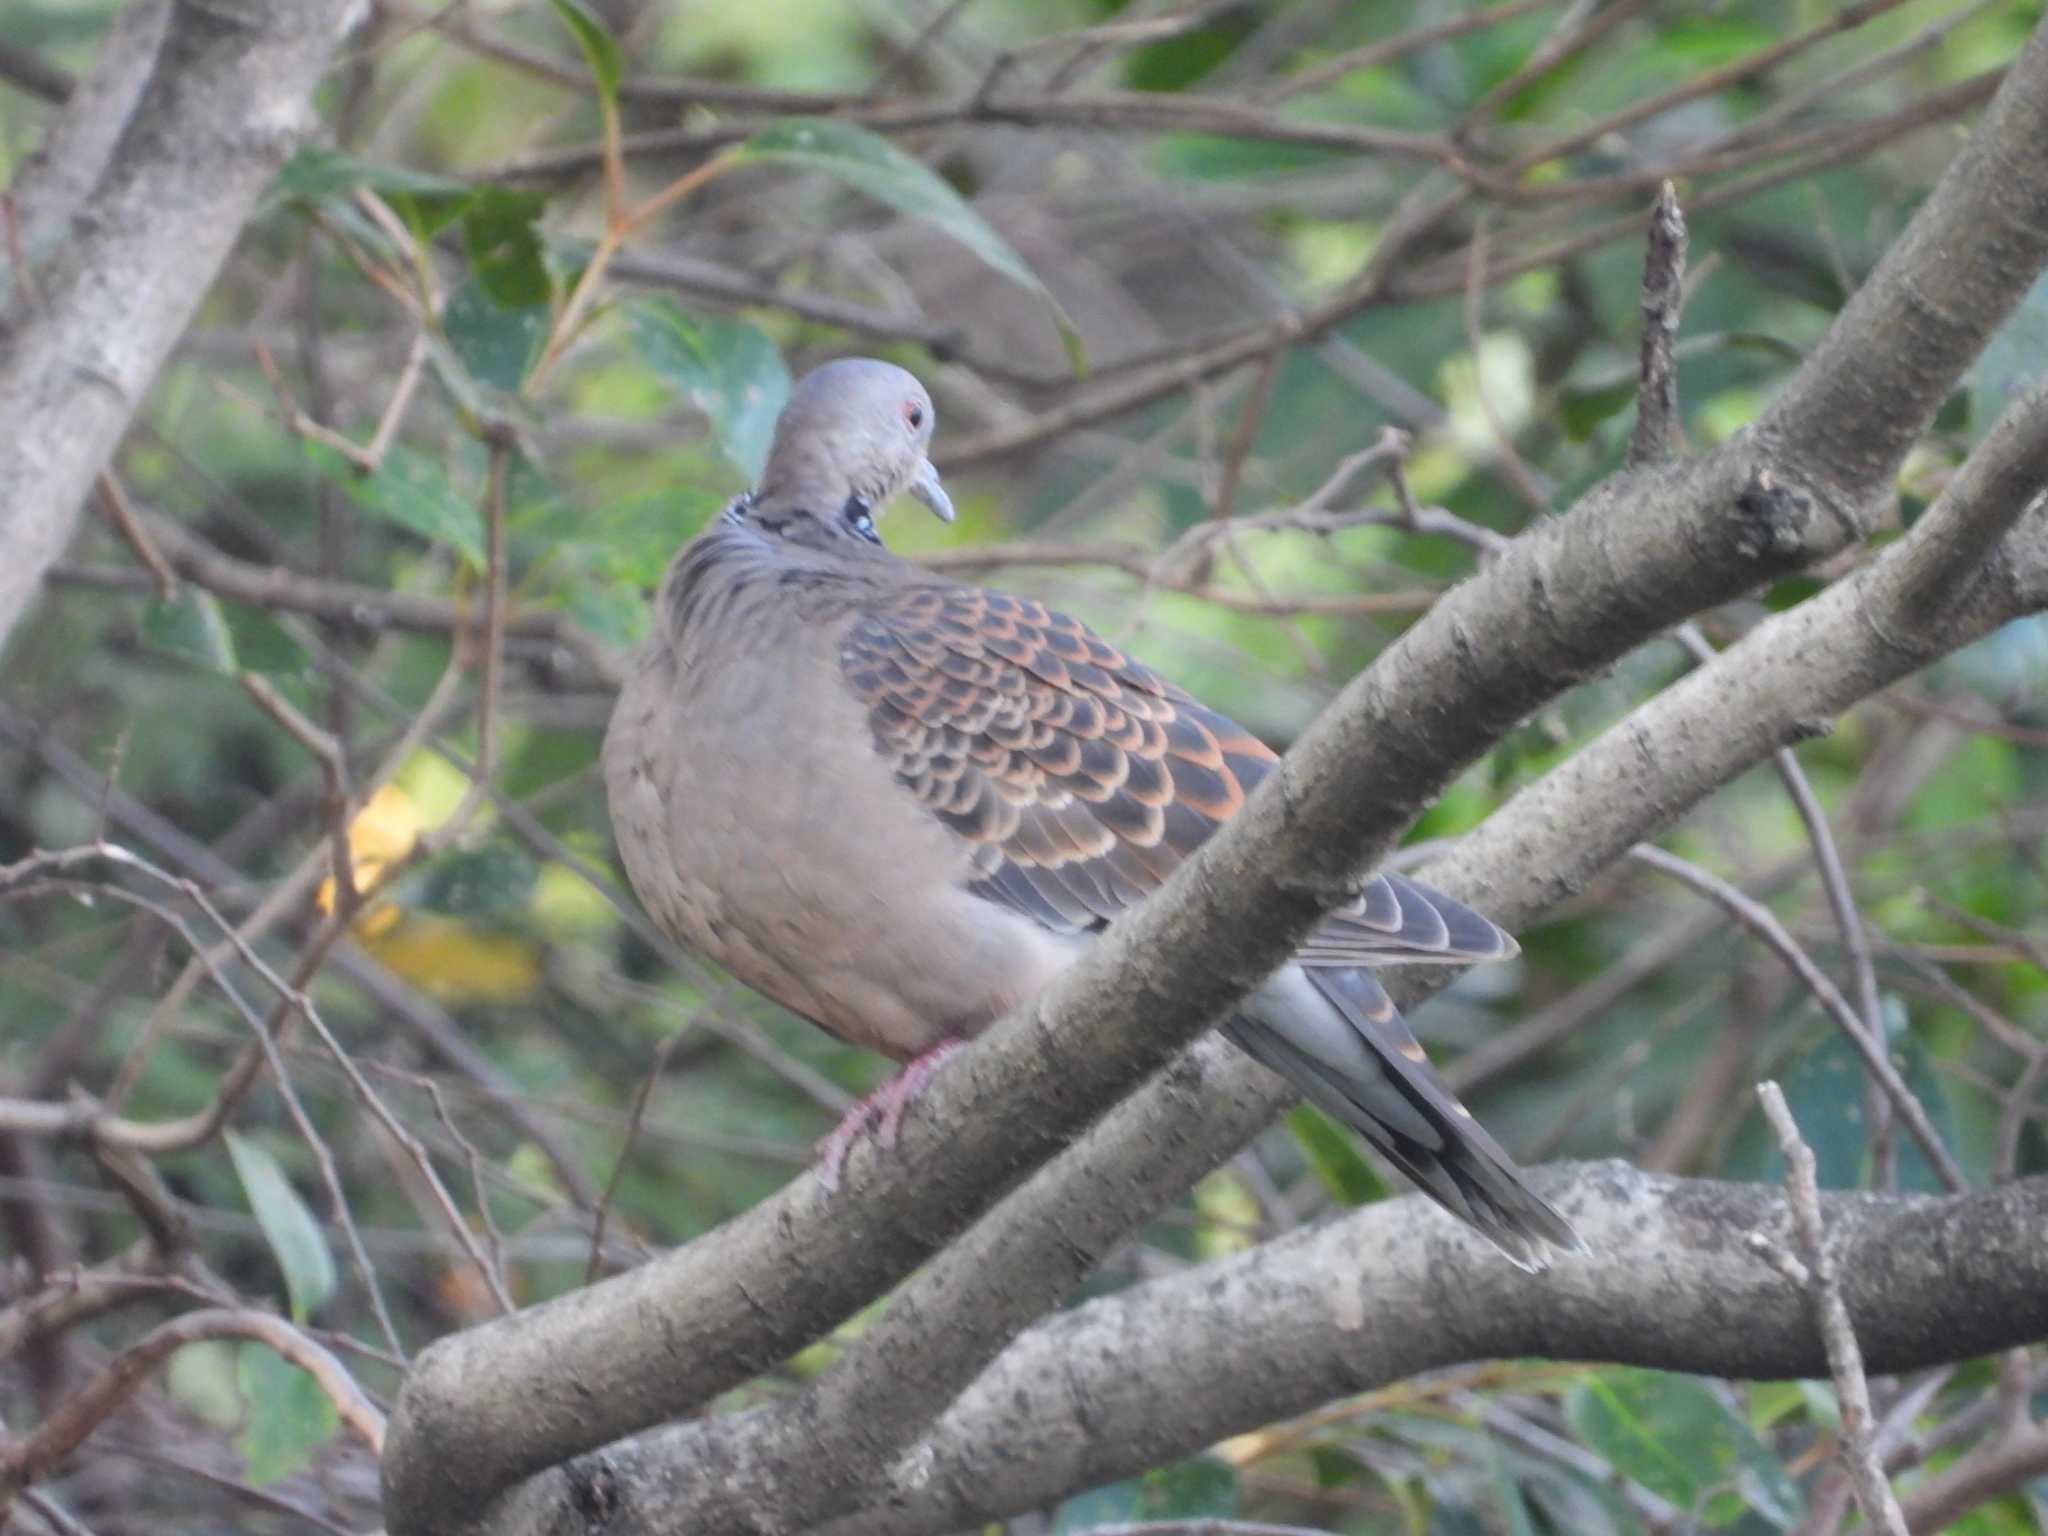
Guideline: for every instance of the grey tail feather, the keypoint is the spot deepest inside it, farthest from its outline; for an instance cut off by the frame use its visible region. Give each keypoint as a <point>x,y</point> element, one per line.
<point>1487,1191</point>
<point>1469,1174</point>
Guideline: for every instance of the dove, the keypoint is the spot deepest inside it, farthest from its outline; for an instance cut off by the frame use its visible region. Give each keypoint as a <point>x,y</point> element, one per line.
<point>899,805</point>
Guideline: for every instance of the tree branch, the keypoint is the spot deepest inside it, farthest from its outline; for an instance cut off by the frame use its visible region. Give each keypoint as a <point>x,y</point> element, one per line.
<point>25,1460</point>
<point>1816,1275</point>
<point>1161,1369</point>
<point>225,101</point>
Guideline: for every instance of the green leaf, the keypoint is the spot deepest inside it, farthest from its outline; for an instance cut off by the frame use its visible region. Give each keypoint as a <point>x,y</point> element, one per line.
<point>262,644</point>
<point>322,176</point>
<point>728,369</point>
<point>411,490</point>
<point>1175,63</point>
<point>294,1236</point>
<point>1929,1085</point>
<point>192,628</point>
<point>600,48</point>
<point>1335,1157</point>
<point>613,611</point>
<point>1824,1091</point>
<point>1189,1490</point>
<point>499,224</point>
<point>500,233</point>
<point>287,1416</point>
<point>1507,1497</point>
<point>1455,1520</point>
<point>1581,408</point>
<point>492,881</point>
<point>495,344</point>
<point>1673,1435</point>
<point>1570,1502</point>
<point>869,163</point>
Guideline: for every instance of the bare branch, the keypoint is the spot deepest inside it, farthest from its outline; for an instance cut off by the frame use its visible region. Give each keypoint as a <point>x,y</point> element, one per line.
<point>25,1460</point>
<point>1760,921</point>
<point>1818,1278</point>
<point>1657,431</point>
<point>1943,1499</point>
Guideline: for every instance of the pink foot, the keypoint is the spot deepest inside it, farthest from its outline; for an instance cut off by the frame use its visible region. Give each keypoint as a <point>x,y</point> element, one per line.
<point>889,1101</point>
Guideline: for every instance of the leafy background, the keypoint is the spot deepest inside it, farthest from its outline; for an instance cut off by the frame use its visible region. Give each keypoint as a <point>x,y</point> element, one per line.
<point>389,351</point>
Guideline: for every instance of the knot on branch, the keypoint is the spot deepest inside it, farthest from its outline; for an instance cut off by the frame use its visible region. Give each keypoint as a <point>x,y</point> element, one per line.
<point>594,1488</point>
<point>1772,519</point>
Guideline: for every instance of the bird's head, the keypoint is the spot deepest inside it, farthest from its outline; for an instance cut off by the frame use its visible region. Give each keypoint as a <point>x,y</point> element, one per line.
<point>852,438</point>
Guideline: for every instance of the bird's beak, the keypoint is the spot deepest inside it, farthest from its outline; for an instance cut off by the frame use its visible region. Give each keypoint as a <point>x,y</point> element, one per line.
<point>924,485</point>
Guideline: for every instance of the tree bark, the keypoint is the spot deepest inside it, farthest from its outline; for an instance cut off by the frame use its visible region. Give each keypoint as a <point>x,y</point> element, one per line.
<point>125,232</point>
<point>1162,1369</point>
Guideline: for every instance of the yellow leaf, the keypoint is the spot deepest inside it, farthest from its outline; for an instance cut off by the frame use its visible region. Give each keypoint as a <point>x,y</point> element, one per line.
<point>1233,1214</point>
<point>453,963</point>
<point>436,786</point>
<point>383,833</point>
<point>565,904</point>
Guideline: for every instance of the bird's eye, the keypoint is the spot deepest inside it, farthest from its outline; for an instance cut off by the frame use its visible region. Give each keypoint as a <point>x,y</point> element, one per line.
<point>914,414</point>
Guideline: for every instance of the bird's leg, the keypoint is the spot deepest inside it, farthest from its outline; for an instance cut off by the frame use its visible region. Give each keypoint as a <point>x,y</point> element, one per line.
<point>906,1085</point>
<point>890,1101</point>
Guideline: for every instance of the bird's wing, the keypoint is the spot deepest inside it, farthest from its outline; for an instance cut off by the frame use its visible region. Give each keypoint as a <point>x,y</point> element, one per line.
<point>1080,777</point>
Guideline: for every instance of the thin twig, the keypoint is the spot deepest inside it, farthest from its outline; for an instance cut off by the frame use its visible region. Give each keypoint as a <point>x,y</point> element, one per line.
<point>122,514</point>
<point>31,1457</point>
<point>1760,920</point>
<point>492,662</point>
<point>1834,879</point>
<point>1817,1276</point>
<point>265,1030</point>
<point>493,1267</point>
<point>31,74</point>
<point>1250,417</point>
<point>55,1515</point>
<point>1657,432</point>
<point>634,1116</point>
<point>1381,50</point>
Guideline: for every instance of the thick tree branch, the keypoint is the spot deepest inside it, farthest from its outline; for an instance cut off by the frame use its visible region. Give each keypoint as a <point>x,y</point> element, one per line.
<point>503,1400</point>
<point>1897,347</point>
<point>92,320</point>
<point>1164,1368</point>
<point>1161,1369</point>
<point>54,180</point>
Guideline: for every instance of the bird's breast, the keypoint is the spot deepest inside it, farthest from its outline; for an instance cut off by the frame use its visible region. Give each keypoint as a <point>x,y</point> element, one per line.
<point>760,825</point>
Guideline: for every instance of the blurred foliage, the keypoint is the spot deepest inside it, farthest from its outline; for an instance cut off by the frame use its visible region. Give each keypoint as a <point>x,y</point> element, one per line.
<point>406,291</point>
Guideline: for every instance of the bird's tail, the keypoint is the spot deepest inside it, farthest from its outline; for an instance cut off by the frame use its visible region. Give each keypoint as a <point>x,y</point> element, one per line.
<point>1336,1035</point>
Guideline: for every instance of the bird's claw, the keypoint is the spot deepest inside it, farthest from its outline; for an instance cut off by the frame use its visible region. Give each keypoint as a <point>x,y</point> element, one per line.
<point>897,1093</point>
<point>889,1101</point>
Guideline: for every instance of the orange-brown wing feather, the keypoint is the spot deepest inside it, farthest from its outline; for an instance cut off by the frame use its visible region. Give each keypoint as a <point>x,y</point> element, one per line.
<point>1079,776</point>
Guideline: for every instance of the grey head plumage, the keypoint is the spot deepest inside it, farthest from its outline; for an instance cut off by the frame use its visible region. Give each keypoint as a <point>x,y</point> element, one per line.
<point>854,436</point>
